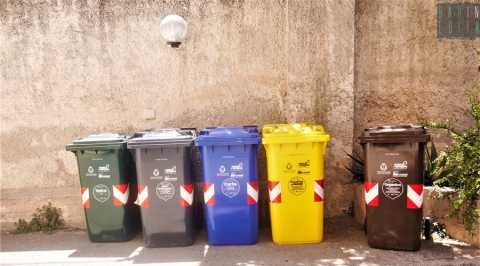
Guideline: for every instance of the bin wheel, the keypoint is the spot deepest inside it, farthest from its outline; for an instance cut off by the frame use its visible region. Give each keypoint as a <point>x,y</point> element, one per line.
<point>427,228</point>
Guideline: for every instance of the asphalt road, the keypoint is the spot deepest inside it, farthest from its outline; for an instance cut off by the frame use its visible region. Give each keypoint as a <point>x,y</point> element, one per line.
<point>345,244</point>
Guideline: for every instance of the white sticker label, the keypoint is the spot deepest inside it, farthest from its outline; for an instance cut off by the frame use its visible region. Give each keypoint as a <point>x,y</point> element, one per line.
<point>165,190</point>
<point>101,193</point>
<point>230,187</point>
<point>392,188</point>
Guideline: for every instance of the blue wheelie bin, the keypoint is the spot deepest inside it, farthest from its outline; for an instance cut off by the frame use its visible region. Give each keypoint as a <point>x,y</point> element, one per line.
<point>229,165</point>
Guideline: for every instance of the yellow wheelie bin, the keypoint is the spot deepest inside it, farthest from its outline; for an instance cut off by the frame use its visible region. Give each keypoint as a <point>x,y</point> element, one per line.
<point>295,162</point>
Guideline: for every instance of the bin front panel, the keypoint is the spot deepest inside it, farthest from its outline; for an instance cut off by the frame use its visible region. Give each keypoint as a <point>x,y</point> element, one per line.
<point>394,194</point>
<point>108,188</point>
<point>230,193</point>
<point>167,212</point>
<point>296,182</point>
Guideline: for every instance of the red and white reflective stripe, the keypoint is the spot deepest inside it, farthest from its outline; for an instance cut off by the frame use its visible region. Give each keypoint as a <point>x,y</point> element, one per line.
<point>186,195</point>
<point>85,197</point>
<point>318,193</point>
<point>414,196</point>
<point>252,192</point>
<point>142,197</point>
<point>120,194</point>
<point>209,193</point>
<point>274,191</point>
<point>371,194</point>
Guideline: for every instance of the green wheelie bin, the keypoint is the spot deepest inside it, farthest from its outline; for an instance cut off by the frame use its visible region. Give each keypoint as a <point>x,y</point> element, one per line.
<point>108,187</point>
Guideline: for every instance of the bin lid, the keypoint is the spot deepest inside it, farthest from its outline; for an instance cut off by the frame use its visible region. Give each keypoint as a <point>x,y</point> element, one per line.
<point>96,141</point>
<point>228,136</point>
<point>395,134</point>
<point>162,137</point>
<point>293,133</point>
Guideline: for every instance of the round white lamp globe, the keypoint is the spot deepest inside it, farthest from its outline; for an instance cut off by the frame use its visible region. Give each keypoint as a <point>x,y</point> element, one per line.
<point>173,29</point>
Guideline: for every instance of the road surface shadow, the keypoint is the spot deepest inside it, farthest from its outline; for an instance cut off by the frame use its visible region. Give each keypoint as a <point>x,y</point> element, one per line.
<point>344,244</point>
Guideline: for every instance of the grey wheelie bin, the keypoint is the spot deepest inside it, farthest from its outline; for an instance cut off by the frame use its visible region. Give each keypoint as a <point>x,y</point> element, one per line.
<point>165,186</point>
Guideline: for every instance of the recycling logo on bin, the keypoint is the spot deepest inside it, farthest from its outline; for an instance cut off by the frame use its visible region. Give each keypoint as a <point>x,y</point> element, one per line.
<point>222,171</point>
<point>392,188</point>
<point>90,172</point>
<point>230,187</point>
<point>101,193</point>
<point>165,190</point>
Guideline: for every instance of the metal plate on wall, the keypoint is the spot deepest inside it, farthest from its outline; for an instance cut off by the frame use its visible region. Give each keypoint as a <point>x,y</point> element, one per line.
<point>459,20</point>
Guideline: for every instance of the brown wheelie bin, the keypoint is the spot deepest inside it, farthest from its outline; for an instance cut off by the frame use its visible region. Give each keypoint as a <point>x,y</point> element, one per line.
<point>394,169</point>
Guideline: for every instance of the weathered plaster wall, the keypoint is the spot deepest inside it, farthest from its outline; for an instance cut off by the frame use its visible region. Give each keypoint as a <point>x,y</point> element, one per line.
<point>73,67</point>
<point>69,68</point>
<point>404,73</point>
<point>320,56</point>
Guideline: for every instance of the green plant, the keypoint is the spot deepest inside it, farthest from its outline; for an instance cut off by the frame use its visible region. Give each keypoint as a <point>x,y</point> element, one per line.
<point>439,229</point>
<point>432,226</point>
<point>46,219</point>
<point>458,166</point>
<point>357,167</point>
<point>430,164</point>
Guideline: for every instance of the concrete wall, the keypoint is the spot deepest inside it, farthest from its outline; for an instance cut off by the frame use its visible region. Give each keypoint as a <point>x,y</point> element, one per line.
<point>320,55</point>
<point>69,68</point>
<point>74,67</point>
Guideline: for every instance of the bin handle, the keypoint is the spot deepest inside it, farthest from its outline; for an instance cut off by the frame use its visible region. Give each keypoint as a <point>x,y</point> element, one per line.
<point>318,128</point>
